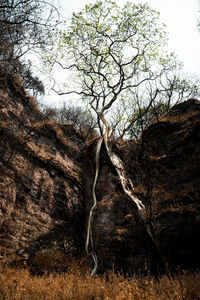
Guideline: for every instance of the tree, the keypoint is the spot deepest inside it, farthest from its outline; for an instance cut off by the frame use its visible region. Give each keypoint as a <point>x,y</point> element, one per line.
<point>80,118</point>
<point>132,115</point>
<point>111,51</point>
<point>24,26</point>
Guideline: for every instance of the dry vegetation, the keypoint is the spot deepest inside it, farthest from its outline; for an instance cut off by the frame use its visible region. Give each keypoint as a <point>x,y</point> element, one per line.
<point>16,283</point>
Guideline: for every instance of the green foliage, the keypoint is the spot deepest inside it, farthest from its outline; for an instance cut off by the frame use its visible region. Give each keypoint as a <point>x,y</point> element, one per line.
<point>118,59</point>
<point>112,49</point>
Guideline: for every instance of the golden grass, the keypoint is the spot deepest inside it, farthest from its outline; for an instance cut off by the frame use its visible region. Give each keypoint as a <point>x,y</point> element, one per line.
<point>76,284</point>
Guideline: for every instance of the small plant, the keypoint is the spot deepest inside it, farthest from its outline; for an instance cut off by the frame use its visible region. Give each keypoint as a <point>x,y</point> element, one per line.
<point>56,256</point>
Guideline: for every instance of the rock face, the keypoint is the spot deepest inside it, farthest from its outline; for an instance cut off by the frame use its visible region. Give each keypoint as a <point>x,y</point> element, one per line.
<point>119,235</point>
<point>164,167</point>
<point>40,179</point>
<point>46,179</point>
<point>172,162</point>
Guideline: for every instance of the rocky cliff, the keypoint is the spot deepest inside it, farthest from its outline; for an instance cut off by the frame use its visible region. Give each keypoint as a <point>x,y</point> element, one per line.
<point>47,174</point>
<point>41,198</point>
<point>164,166</point>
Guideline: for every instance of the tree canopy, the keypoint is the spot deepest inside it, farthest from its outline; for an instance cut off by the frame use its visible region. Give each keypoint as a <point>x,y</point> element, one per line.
<point>112,52</point>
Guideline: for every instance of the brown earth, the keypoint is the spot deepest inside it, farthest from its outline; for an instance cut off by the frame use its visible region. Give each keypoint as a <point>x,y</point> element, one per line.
<point>47,173</point>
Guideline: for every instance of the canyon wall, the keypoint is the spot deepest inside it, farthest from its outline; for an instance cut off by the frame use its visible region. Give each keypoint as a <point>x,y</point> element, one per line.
<point>46,179</point>
<point>41,199</point>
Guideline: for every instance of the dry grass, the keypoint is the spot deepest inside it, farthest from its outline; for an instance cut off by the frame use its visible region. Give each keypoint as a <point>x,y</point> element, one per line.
<point>76,284</point>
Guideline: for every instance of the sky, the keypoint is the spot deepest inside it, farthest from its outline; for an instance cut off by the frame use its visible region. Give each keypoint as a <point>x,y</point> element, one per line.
<point>180,17</point>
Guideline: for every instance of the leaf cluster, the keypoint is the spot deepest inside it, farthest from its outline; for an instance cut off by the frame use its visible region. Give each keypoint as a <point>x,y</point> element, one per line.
<point>119,63</point>
<point>109,48</point>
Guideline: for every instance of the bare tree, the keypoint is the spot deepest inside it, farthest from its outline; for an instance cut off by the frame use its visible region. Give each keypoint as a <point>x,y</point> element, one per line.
<point>132,115</point>
<point>82,119</point>
<point>24,26</point>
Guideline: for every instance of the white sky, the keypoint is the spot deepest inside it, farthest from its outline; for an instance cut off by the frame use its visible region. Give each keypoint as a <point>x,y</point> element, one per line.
<point>180,16</point>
